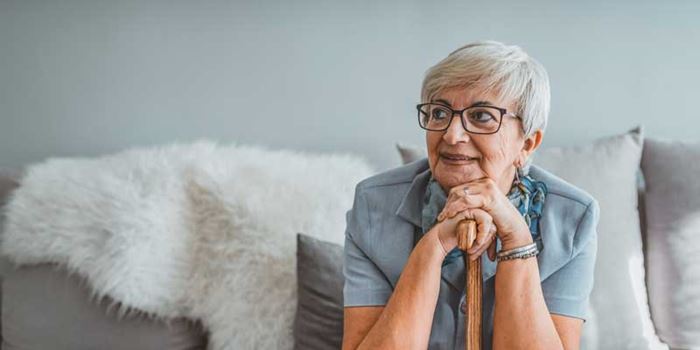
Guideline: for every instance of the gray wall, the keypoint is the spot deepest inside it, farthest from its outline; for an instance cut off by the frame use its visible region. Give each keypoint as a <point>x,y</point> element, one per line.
<point>80,78</point>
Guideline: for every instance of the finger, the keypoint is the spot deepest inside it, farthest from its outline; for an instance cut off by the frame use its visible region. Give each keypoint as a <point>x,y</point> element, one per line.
<point>472,186</point>
<point>481,194</point>
<point>483,218</point>
<point>458,200</point>
<point>483,242</point>
<point>476,200</point>
<point>482,248</point>
<point>473,189</point>
<point>492,250</point>
<point>447,211</point>
<point>481,238</point>
<point>452,208</point>
<point>478,253</point>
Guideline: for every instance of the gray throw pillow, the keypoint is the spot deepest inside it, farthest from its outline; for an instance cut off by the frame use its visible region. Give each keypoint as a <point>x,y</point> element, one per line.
<point>672,206</point>
<point>608,168</point>
<point>410,153</point>
<point>318,323</point>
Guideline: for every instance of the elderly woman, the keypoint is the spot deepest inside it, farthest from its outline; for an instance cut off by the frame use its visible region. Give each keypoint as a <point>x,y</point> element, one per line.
<point>484,108</point>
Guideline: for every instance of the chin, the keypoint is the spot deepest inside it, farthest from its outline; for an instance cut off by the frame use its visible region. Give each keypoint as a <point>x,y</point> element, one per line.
<point>451,178</point>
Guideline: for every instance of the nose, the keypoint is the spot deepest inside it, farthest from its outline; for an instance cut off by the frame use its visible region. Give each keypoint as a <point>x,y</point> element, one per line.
<point>455,131</point>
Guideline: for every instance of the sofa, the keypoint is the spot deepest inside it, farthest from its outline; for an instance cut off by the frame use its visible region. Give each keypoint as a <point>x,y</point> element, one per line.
<point>646,293</point>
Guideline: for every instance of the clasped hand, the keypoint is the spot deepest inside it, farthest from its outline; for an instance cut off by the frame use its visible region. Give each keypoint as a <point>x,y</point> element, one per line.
<point>485,203</point>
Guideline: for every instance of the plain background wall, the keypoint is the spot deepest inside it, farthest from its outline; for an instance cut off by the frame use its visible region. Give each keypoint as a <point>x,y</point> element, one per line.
<point>82,78</point>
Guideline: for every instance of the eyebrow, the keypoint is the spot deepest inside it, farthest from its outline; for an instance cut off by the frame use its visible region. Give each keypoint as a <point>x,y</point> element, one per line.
<point>475,104</point>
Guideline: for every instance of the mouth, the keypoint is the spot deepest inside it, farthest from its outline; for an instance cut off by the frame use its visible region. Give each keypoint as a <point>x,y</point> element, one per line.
<point>455,156</point>
<point>452,158</point>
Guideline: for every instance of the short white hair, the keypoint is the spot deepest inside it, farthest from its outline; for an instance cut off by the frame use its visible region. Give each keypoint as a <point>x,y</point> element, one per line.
<point>507,69</point>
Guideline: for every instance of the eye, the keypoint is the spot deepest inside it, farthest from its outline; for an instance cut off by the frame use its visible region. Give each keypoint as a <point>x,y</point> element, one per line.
<point>438,113</point>
<point>481,115</point>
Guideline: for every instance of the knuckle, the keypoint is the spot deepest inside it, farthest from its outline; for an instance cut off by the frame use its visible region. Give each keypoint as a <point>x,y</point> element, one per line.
<point>490,184</point>
<point>488,202</point>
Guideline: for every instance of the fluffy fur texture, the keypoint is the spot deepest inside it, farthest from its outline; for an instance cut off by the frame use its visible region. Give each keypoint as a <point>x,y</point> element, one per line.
<point>196,230</point>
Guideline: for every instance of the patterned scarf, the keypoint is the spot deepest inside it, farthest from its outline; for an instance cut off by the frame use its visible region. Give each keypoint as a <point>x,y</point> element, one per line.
<point>527,195</point>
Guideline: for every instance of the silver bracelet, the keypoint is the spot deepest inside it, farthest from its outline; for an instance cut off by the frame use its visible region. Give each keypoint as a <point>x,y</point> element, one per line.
<point>520,256</point>
<point>517,249</point>
<point>523,252</point>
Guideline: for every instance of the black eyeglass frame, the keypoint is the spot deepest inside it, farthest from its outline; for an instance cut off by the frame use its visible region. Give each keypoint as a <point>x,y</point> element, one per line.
<point>503,112</point>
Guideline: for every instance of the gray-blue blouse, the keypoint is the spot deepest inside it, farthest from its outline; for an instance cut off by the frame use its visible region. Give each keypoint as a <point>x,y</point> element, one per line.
<point>384,225</point>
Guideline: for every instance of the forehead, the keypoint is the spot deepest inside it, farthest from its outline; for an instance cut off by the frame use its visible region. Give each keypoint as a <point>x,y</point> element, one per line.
<point>461,97</point>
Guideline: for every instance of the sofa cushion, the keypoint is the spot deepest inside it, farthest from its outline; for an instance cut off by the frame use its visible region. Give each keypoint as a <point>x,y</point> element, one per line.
<point>672,206</point>
<point>318,323</point>
<point>44,307</point>
<point>9,180</point>
<point>608,169</point>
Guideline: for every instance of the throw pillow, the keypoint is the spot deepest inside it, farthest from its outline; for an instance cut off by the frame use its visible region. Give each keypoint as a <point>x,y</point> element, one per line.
<point>318,324</point>
<point>608,169</point>
<point>672,198</point>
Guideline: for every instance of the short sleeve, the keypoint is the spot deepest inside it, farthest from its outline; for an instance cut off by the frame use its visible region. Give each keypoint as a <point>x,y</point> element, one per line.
<point>567,291</point>
<point>365,284</point>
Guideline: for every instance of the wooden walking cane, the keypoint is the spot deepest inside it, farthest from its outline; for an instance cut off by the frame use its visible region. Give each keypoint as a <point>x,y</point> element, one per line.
<point>466,233</point>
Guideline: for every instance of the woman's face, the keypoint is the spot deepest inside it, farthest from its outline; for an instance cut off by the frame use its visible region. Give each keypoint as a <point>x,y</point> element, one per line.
<point>496,153</point>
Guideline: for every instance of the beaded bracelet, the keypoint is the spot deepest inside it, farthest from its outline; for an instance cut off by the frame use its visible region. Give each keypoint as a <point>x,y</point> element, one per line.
<point>523,252</point>
<point>518,249</point>
<point>519,256</point>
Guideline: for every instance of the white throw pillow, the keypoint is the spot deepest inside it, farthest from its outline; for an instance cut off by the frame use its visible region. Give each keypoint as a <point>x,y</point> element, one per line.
<point>608,169</point>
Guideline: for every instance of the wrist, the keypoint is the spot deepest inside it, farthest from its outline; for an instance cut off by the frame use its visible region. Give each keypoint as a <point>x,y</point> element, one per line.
<point>432,242</point>
<point>516,240</point>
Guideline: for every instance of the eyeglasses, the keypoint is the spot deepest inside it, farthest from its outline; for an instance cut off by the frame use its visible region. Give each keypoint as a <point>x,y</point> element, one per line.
<point>475,119</point>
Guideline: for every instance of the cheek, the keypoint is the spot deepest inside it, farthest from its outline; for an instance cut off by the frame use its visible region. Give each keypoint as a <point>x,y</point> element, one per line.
<point>497,152</point>
<point>431,142</point>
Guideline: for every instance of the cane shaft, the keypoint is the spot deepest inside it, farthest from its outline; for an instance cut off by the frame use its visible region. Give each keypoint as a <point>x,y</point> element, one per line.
<point>466,233</point>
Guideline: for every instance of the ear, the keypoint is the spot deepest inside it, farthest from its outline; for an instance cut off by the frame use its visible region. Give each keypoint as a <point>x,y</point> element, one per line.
<point>530,145</point>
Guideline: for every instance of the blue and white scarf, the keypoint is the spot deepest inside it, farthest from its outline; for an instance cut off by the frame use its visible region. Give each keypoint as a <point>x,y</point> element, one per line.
<point>526,194</point>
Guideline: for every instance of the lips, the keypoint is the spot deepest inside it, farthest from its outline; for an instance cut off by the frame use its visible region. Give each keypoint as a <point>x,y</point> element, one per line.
<point>454,156</point>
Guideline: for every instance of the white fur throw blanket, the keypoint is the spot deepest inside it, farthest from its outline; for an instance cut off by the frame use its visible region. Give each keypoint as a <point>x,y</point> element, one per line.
<point>196,230</point>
